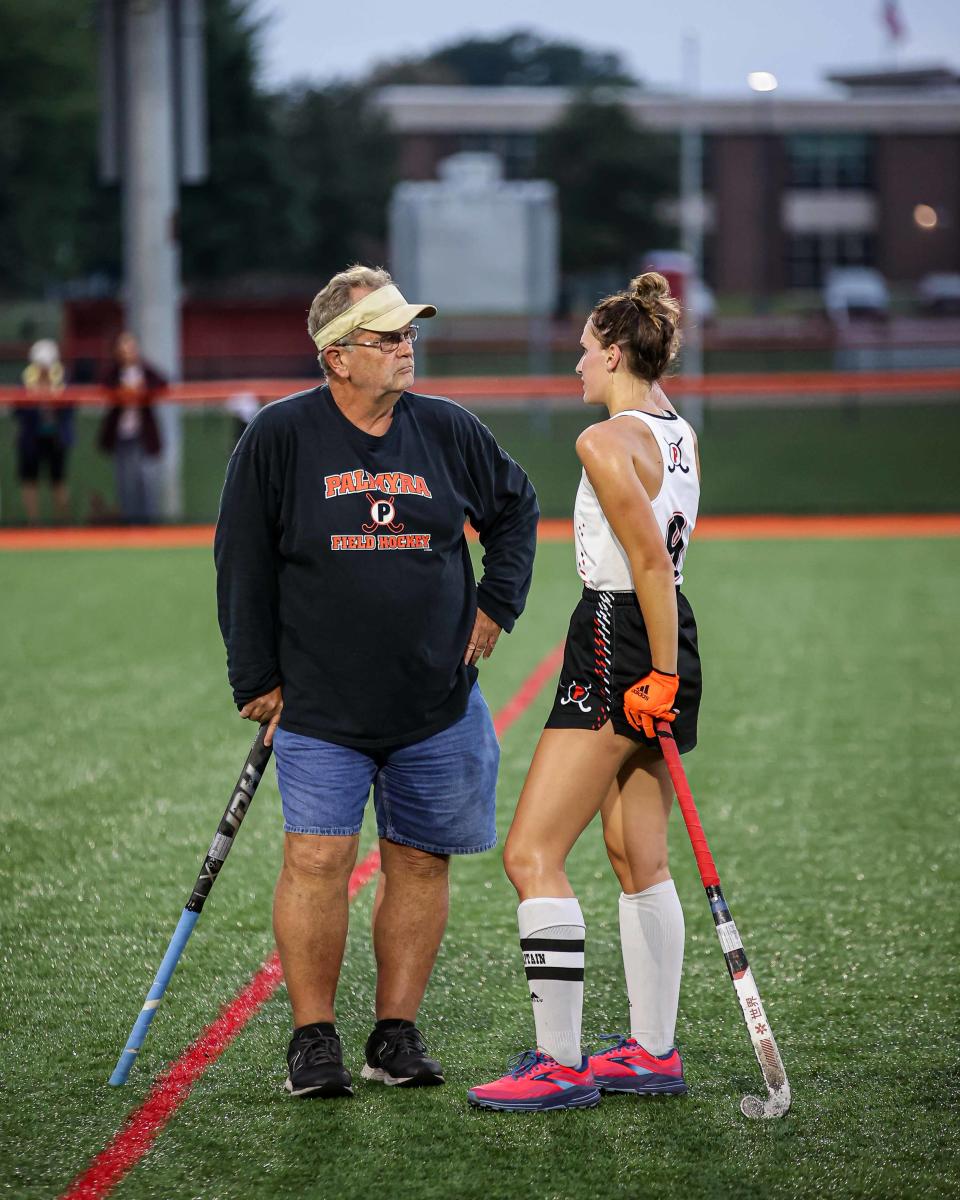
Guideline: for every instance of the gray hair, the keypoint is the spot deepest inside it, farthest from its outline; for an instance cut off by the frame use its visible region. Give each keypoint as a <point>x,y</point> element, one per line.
<point>335,298</point>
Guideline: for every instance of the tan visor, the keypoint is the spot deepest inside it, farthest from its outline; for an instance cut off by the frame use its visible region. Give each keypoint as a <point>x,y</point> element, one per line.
<point>382,311</point>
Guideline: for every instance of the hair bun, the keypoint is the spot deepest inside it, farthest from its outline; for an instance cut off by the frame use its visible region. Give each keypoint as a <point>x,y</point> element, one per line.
<point>643,321</point>
<point>649,287</point>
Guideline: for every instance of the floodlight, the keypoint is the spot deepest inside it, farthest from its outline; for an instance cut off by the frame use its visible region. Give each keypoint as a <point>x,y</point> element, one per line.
<point>762,81</point>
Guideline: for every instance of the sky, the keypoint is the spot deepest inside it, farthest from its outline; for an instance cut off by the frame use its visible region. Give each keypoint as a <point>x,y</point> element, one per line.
<point>316,41</point>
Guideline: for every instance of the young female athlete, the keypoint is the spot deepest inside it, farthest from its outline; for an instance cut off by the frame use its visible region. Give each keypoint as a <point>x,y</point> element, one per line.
<point>631,657</point>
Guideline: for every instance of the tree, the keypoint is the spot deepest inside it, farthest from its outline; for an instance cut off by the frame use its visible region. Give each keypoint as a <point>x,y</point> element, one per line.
<point>54,221</point>
<point>300,181</point>
<point>237,222</point>
<point>610,176</point>
<point>340,162</point>
<point>57,221</point>
<point>520,59</point>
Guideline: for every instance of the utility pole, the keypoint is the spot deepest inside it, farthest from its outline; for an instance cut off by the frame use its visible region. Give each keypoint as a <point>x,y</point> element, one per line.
<point>152,137</point>
<point>691,221</point>
<point>150,201</point>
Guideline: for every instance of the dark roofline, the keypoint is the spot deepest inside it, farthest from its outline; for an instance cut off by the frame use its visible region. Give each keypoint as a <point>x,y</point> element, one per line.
<point>913,78</point>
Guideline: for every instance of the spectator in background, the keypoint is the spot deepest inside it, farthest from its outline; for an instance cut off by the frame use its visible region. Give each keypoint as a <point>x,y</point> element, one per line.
<point>130,432</point>
<point>44,431</point>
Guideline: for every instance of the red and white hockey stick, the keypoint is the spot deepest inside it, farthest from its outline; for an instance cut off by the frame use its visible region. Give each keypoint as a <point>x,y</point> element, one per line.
<point>761,1035</point>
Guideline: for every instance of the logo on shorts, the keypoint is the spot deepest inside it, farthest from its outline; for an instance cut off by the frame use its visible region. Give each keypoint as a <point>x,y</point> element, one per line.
<point>676,458</point>
<point>579,695</point>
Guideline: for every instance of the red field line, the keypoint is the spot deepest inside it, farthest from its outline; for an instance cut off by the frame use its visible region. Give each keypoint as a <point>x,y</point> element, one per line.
<point>158,537</point>
<point>170,1089</point>
<point>145,1124</point>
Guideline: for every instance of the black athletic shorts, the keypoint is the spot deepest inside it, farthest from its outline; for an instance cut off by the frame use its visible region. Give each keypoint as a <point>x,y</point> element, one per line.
<point>44,449</point>
<point>607,651</point>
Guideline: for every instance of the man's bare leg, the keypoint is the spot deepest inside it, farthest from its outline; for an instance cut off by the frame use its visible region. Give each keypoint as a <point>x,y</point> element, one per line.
<point>310,913</point>
<point>410,915</point>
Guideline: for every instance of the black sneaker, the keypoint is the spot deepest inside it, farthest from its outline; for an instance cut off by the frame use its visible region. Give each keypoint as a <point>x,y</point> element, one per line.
<point>315,1059</point>
<point>397,1055</point>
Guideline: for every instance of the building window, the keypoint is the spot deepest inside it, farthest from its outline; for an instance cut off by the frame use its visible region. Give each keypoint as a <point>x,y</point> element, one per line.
<point>811,255</point>
<point>518,151</point>
<point>829,160</point>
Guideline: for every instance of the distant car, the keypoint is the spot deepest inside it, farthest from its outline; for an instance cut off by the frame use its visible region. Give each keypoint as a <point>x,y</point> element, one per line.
<point>940,293</point>
<point>855,291</point>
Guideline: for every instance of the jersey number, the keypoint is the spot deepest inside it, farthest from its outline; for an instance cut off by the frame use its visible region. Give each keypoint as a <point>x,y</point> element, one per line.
<point>676,541</point>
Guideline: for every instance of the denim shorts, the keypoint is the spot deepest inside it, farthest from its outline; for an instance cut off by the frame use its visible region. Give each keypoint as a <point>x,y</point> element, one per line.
<point>437,795</point>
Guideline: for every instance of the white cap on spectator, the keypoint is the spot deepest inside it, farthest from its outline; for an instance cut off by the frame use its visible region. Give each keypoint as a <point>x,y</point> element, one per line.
<point>45,353</point>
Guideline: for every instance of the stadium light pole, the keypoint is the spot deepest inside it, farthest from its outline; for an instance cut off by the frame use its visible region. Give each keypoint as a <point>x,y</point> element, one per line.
<point>152,138</point>
<point>151,243</point>
<point>691,219</point>
<point>763,84</point>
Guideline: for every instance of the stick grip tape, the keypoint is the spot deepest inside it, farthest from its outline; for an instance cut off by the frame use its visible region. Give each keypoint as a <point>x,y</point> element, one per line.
<point>138,1033</point>
<point>698,839</point>
<point>240,799</point>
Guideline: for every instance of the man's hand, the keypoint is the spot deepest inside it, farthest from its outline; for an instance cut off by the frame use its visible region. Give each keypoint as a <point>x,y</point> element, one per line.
<point>650,697</point>
<point>265,709</point>
<point>482,640</point>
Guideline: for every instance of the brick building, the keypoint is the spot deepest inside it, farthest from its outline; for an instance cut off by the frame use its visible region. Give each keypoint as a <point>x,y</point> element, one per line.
<point>869,177</point>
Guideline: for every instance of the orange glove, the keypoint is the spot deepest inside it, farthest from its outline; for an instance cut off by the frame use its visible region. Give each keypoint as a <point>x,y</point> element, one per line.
<point>652,696</point>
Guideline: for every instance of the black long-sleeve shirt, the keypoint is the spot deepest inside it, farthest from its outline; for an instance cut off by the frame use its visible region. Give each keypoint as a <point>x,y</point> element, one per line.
<point>343,572</point>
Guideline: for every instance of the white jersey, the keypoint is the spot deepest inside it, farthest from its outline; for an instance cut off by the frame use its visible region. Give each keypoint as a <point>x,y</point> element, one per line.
<point>602,563</point>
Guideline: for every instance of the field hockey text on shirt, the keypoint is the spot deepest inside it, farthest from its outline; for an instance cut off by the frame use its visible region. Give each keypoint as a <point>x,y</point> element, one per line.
<point>383,541</point>
<point>391,483</point>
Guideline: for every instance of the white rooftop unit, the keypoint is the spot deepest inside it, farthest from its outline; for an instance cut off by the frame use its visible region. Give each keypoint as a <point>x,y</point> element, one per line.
<point>474,243</point>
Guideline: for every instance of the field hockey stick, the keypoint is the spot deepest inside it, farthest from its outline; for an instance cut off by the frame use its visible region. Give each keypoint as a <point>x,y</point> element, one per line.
<point>235,811</point>
<point>761,1035</point>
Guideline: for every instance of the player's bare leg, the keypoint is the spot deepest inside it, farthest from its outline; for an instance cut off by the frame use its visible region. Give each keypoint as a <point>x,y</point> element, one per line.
<point>570,775</point>
<point>568,779</point>
<point>635,817</point>
<point>310,913</point>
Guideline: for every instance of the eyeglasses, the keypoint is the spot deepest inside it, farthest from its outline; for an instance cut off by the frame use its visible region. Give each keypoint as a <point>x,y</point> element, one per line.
<point>390,342</point>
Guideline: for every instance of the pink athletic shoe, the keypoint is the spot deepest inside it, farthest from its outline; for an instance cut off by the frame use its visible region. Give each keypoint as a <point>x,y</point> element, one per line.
<point>535,1083</point>
<point>627,1067</point>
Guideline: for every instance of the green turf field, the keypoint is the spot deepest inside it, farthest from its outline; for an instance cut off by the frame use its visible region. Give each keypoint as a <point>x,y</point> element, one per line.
<point>858,458</point>
<point>826,778</point>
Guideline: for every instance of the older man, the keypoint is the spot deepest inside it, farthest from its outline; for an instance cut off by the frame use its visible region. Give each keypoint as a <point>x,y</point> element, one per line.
<point>353,627</point>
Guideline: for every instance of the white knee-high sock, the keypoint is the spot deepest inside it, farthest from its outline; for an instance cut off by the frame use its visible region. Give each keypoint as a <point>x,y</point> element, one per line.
<point>551,938</point>
<point>651,937</point>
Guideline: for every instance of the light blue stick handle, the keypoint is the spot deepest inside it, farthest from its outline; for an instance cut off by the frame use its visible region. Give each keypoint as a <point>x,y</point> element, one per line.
<point>139,1032</point>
